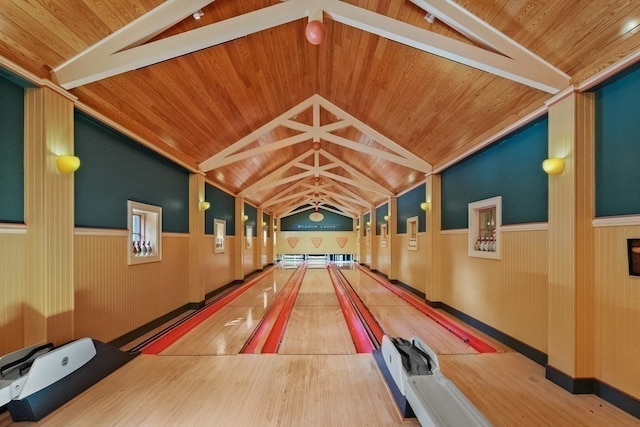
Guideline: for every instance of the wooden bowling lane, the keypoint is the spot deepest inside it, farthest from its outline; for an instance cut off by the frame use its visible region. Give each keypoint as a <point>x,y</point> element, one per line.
<point>510,389</point>
<point>239,390</point>
<point>317,325</point>
<point>399,319</point>
<point>226,331</point>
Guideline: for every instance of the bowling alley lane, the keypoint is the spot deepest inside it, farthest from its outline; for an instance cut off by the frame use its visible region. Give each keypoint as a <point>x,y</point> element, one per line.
<point>226,331</point>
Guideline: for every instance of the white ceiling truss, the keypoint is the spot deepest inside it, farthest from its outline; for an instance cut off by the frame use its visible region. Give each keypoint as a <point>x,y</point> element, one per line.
<point>126,49</point>
<point>304,184</point>
<point>129,49</point>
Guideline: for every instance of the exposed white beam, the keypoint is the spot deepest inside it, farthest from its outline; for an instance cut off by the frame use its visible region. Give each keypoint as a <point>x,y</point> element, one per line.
<point>272,146</point>
<point>281,181</point>
<point>213,161</point>
<point>416,162</point>
<point>371,184</point>
<point>275,173</point>
<point>390,157</point>
<point>349,192</point>
<point>535,74</point>
<point>107,58</point>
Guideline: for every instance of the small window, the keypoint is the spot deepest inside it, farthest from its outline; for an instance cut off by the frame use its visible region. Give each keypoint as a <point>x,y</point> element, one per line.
<point>220,229</point>
<point>485,219</point>
<point>412,231</point>
<point>145,233</point>
<point>249,236</point>
<point>383,233</point>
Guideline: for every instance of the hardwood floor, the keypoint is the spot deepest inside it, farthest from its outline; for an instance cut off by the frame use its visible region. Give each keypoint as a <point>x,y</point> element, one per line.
<point>192,383</point>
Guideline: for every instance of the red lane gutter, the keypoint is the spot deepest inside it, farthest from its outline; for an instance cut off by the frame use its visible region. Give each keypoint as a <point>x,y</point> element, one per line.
<point>268,321</point>
<point>364,311</point>
<point>272,343</point>
<point>467,337</point>
<point>176,333</point>
<point>357,330</point>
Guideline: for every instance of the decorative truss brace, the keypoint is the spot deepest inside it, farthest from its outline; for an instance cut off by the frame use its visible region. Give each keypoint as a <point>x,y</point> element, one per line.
<point>126,50</point>
<point>316,132</point>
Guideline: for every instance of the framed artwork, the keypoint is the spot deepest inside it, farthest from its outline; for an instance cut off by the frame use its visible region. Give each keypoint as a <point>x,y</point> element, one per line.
<point>219,231</point>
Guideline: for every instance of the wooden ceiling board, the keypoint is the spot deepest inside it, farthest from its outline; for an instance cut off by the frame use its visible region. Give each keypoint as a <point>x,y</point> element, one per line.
<point>194,106</point>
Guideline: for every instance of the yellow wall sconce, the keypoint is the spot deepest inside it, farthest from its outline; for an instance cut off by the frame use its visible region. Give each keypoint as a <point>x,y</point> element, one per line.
<point>553,166</point>
<point>244,218</point>
<point>424,206</point>
<point>204,205</point>
<point>67,164</point>
<point>387,218</point>
<point>368,223</point>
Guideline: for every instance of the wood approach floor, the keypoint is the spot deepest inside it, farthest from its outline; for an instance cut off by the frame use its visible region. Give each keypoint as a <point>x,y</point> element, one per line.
<point>316,379</point>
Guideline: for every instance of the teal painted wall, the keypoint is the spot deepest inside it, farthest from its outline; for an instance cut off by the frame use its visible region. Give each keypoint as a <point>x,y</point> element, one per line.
<point>381,211</point>
<point>331,222</point>
<point>11,151</point>
<point>408,206</point>
<point>510,168</point>
<point>115,169</point>
<point>252,213</point>
<point>617,145</point>
<point>223,206</point>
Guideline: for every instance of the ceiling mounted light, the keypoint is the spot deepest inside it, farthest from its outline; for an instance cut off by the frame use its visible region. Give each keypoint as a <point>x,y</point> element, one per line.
<point>198,14</point>
<point>314,32</point>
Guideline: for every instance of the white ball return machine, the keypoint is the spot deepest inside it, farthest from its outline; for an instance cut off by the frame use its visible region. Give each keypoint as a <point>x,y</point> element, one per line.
<point>38,379</point>
<point>419,387</point>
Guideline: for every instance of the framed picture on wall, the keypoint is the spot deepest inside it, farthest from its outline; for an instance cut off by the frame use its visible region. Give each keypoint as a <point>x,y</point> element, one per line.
<point>219,231</point>
<point>633,253</point>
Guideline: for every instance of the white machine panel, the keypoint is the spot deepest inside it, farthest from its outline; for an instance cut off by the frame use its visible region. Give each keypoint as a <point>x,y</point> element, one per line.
<point>57,364</point>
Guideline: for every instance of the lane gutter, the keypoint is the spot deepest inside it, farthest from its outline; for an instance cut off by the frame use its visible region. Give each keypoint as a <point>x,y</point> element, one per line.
<point>355,324</point>
<point>172,335</point>
<point>269,319</point>
<point>475,342</point>
<point>272,343</point>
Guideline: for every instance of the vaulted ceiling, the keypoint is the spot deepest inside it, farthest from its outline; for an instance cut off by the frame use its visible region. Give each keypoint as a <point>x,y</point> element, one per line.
<point>387,97</point>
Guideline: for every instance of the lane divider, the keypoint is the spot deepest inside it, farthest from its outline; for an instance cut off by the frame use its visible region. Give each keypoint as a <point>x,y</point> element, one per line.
<point>268,320</point>
<point>475,342</point>
<point>200,316</point>
<point>272,343</point>
<point>370,322</point>
<point>358,332</point>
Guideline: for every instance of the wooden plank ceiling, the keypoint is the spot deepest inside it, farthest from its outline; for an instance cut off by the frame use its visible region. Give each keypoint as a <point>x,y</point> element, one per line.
<point>300,114</point>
